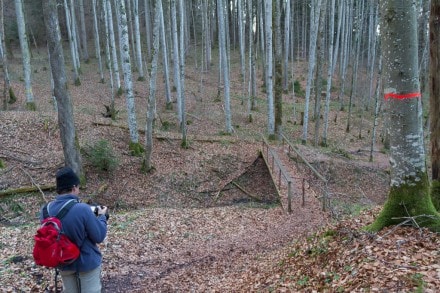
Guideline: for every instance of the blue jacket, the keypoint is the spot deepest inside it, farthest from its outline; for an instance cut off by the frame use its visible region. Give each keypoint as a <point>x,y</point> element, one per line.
<point>84,228</point>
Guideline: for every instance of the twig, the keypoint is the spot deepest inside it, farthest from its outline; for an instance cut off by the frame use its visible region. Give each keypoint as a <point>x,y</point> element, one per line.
<point>245,192</point>
<point>34,183</point>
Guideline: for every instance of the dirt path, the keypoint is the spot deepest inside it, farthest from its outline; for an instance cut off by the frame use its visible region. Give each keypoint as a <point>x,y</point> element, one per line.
<point>198,250</point>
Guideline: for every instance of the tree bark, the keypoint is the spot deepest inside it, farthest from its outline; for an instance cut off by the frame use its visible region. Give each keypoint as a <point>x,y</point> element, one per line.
<point>69,140</point>
<point>409,192</point>
<point>147,166</point>
<point>434,100</point>
<point>224,65</point>
<point>269,69</point>
<point>30,102</point>
<point>128,82</point>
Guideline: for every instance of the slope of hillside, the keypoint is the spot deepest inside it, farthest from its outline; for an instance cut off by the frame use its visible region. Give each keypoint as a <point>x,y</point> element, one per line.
<point>182,227</point>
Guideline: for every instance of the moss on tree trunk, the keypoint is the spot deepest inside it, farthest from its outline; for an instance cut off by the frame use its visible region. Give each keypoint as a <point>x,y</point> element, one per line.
<point>435,194</point>
<point>407,201</point>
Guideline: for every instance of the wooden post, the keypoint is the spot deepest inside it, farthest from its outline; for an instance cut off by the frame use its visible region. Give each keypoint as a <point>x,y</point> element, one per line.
<point>303,192</point>
<point>289,197</point>
<point>279,179</point>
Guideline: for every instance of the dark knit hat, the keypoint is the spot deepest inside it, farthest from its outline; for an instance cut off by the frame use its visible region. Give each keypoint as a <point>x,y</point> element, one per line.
<point>66,179</point>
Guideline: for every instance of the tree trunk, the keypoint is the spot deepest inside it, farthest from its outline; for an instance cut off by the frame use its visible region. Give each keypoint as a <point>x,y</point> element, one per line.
<point>8,93</point>
<point>73,52</point>
<point>314,23</point>
<point>108,53</point>
<point>163,41</point>
<point>97,41</point>
<point>176,61</point>
<point>184,143</point>
<point>128,83</point>
<point>409,192</point>
<point>147,166</point>
<point>434,100</point>
<point>83,32</point>
<point>137,35</point>
<point>75,35</point>
<point>66,123</point>
<point>278,87</point>
<point>21,25</point>
<point>269,69</point>
<point>148,32</point>
<point>287,39</point>
<point>112,44</point>
<point>330,67</point>
<point>252,76</point>
<point>224,65</point>
<point>319,72</point>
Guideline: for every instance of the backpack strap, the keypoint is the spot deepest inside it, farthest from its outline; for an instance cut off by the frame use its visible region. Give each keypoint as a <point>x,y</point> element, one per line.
<point>65,208</point>
<point>62,212</point>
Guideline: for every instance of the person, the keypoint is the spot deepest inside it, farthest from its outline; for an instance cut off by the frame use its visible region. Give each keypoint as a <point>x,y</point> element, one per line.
<point>85,228</point>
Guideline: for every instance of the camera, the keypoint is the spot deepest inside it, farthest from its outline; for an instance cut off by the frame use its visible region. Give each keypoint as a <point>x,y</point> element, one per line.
<point>95,210</point>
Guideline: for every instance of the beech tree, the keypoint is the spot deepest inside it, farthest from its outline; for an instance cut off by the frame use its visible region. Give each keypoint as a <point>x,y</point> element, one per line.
<point>434,100</point>
<point>314,24</point>
<point>224,64</point>
<point>182,38</point>
<point>269,69</point>
<point>135,146</point>
<point>163,43</point>
<point>146,165</point>
<point>176,62</point>
<point>112,44</point>
<point>409,191</point>
<point>69,140</point>
<point>137,35</point>
<point>97,41</point>
<point>73,48</point>
<point>84,45</point>
<point>26,57</point>
<point>8,93</point>
<point>278,85</point>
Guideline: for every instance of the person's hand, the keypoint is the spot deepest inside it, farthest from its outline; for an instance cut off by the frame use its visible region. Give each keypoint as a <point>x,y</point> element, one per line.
<point>102,210</point>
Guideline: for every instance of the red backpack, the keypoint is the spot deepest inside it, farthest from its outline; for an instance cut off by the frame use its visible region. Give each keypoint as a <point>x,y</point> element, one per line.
<point>52,248</point>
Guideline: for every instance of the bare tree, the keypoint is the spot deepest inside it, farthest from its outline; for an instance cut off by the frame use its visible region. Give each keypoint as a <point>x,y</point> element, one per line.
<point>26,58</point>
<point>84,45</point>
<point>330,67</point>
<point>163,41</point>
<point>97,41</point>
<point>184,143</point>
<point>314,23</point>
<point>112,44</point>
<point>278,87</point>
<point>409,191</point>
<point>224,64</point>
<point>135,146</point>
<point>146,165</point>
<point>176,62</point>
<point>73,49</point>
<point>137,35</point>
<point>8,93</point>
<point>434,100</point>
<point>69,140</point>
<point>269,69</point>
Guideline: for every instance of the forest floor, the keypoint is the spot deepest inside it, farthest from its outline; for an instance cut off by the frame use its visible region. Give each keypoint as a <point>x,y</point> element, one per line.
<point>184,227</point>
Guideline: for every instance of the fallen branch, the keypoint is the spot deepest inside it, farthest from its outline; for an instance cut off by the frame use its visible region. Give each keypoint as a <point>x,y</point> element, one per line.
<point>245,192</point>
<point>35,184</point>
<point>27,189</point>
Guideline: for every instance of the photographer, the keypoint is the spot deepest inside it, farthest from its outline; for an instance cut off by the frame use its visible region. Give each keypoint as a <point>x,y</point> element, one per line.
<point>85,229</point>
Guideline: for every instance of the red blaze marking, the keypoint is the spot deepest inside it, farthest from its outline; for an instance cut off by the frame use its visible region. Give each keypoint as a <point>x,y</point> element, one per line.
<point>402,96</point>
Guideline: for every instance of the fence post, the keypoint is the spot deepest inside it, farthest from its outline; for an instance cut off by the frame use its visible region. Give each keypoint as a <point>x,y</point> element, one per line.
<point>303,192</point>
<point>289,197</point>
<point>279,179</point>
